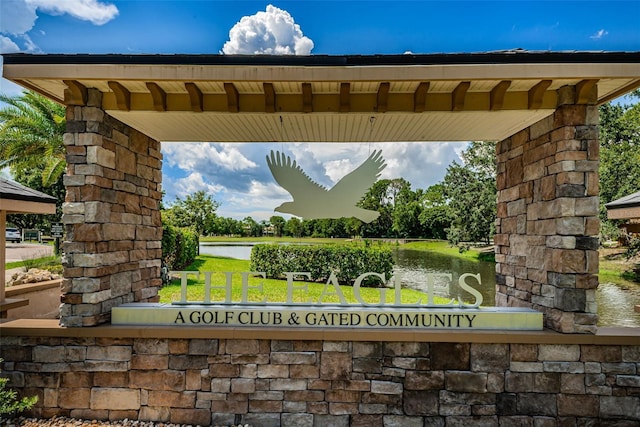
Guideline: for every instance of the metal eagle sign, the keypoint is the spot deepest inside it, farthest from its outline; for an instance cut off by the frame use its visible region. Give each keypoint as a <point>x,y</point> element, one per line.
<point>313,201</point>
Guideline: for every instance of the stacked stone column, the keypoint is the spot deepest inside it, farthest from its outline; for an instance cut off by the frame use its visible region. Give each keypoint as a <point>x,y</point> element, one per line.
<point>547,227</point>
<point>111,213</point>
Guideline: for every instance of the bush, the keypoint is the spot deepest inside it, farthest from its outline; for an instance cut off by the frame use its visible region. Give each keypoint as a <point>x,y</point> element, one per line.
<point>9,403</point>
<point>346,261</point>
<point>179,246</point>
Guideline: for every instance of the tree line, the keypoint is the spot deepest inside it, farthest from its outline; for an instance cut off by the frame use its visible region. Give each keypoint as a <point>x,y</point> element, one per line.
<point>461,208</point>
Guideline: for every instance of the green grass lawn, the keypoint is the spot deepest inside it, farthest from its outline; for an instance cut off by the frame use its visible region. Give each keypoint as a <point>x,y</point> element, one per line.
<point>615,268</point>
<point>273,290</point>
<point>443,247</point>
<point>34,262</point>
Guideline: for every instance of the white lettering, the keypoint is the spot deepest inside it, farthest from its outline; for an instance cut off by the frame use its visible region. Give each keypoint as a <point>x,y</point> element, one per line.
<point>291,288</point>
<point>331,290</point>
<point>473,291</point>
<point>358,282</point>
<point>336,286</point>
<point>431,289</point>
<point>184,282</point>
<point>245,285</point>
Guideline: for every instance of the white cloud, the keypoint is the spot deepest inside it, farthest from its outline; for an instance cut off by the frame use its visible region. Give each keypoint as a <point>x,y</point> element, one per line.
<point>599,34</point>
<point>18,17</point>
<point>258,202</point>
<point>273,32</point>
<point>86,10</point>
<point>193,183</point>
<point>7,45</point>
<point>189,156</point>
<point>421,163</point>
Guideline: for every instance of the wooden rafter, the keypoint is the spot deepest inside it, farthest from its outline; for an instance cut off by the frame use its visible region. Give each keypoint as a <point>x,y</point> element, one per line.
<point>345,97</point>
<point>233,97</point>
<point>158,95</point>
<point>307,98</point>
<point>584,92</point>
<point>420,97</point>
<point>536,94</point>
<point>77,92</point>
<point>458,96</point>
<point>496,97</point>
<point>382,98</point>
<point>269,98</point>
<point>195,96</point>
<point>123,96</point>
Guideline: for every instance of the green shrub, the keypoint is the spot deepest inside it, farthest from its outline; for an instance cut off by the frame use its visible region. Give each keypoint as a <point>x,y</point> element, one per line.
<point>346,261</point>
<point>9,403</point>
<point>179,246</point>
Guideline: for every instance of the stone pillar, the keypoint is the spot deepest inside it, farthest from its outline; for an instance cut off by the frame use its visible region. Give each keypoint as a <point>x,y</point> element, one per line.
<point>547,223</point>
<point>111,214</point>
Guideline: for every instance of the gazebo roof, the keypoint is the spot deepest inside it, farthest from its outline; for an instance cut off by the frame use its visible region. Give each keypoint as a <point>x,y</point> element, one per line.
<point>626,207</point>
<point>16,198</point>
<point>347,98</point>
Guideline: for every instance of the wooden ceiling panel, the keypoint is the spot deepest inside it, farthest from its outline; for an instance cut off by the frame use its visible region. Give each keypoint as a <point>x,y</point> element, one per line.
<point>353,127</point>
<point>403,87</point>
<point>287,87</point>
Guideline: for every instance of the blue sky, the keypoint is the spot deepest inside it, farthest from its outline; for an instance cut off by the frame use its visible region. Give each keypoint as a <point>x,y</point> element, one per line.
<point>236,174</point>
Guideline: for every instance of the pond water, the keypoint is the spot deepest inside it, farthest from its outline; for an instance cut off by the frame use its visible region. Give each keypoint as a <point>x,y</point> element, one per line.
<point>615,302</point>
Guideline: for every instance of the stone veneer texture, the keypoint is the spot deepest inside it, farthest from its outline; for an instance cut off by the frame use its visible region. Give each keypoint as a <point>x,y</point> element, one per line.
<point>547,220</point>
<point>111,214</point>
<point>326,383</point>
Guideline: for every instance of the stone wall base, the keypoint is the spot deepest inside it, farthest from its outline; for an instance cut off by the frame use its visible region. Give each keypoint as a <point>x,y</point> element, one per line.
<point>326,383</point>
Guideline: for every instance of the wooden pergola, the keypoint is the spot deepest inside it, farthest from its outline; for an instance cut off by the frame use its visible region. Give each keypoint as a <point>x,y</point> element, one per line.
<point>539,107</point>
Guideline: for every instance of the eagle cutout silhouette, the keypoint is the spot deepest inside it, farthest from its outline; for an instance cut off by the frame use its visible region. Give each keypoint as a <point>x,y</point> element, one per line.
<point>313,201</point>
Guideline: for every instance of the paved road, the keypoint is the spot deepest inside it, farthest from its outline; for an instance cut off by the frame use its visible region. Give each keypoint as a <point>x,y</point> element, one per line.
<point>21,251</point>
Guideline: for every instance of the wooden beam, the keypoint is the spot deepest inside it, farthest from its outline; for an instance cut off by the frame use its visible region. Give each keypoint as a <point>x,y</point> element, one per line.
<point>123,96</point>
<point>196,97</point>
<point>420,97</point>
<point>77,92</point>
<point>536,94</point>
<point>233,97</point>
<point>307,98</point>
<point>345,97</point>
<point>269,98</point>
<point>458,95</point>
<point>584,92</point>
<point>496,97</point>
<point>158,95</point>
<point>382,98</point>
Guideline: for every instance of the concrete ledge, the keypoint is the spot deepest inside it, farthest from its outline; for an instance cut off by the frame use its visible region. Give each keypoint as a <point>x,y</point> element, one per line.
<point>11,303</point>
<point>16,290</point>
<point>43,300</point>
<point>51,328</point>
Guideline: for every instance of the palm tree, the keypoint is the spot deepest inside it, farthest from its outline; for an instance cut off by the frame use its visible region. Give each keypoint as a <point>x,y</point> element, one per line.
<point>31,130</point>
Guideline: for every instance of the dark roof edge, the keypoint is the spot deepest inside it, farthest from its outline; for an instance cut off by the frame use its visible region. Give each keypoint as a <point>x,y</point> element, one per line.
<point>629,201</point>
<point>12,190</point>
<point>613,205</point>
<point>497,57</point>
